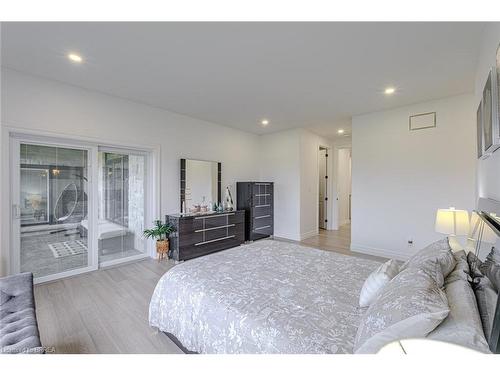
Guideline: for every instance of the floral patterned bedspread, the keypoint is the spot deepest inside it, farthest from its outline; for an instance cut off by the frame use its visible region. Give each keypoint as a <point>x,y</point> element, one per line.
<point>265,297</point>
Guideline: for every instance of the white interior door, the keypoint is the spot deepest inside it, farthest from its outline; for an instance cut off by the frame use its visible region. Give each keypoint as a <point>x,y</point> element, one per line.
<point>51,195</point>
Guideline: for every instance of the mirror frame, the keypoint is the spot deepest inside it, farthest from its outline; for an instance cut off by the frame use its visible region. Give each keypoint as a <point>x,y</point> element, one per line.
<point>183,180</point>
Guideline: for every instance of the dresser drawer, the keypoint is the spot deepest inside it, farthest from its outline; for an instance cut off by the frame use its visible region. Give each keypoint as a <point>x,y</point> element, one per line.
<point>213,241</point>
<point>237,218</point>
<point>185,225</point>
<point>261,221</point>
<point>262,210</point>
<point>187,240</point>
<point>217,220</point>
<point>262,200</point>
<point>217,233</point>
<point>264,230</point>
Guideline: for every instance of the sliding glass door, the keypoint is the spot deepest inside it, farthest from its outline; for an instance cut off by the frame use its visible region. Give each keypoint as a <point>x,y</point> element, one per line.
<point>50,190</point>
<point>122,196</point>
<point>75,206</point>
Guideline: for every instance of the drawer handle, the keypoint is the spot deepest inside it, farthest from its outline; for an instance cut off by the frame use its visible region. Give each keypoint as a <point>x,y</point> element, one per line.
<point>209,217</point>
<point>263,205</point>
<point>214,228</point>
<point>267,226</point>
<point>262,195</point>
<point>217,239</point>
<point>262,217</point>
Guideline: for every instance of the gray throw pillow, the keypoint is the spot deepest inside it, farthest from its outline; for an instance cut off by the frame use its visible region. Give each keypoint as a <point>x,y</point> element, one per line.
<point>486,293</point>
<point>474,263</point>
<point>491,270</point>
<point>486,298</point>
<point>463,325</point>
<point>439,251</point>
<point>410,306</point>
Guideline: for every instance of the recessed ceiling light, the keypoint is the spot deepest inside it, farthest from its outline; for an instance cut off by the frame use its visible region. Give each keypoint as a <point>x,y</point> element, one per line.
<point>389,91</point>
<point>75,58</point>
<point>340,131</point>
<point>264,122</point>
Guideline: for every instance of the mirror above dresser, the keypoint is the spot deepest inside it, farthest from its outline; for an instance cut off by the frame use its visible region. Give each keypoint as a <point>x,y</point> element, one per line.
<point>200,185</point>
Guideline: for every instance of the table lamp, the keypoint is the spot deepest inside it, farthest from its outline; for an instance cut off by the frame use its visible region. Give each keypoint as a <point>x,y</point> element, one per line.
<point>452,222</point>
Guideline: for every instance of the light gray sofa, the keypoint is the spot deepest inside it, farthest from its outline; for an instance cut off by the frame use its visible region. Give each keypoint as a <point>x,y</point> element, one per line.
<point>18,325</point>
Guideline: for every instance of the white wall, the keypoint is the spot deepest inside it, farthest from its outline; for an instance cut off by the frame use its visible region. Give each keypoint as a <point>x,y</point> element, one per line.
<point>488,181</point>
<point>280,162</point>
<point>38,104</point>
<point>290,159</point>
<point>400,178</point>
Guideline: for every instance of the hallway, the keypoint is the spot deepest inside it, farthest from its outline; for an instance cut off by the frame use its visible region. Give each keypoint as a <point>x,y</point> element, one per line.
<point>332,240</point>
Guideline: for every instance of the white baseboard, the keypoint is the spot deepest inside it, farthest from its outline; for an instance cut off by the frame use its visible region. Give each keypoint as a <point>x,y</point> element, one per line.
<point>378,252</point>
<point>344,222</point>
<point>287,236</point>
<point>309,234</point>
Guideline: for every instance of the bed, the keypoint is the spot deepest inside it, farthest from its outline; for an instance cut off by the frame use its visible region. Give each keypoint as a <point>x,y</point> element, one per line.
<point>264,297</point>
<point>280,297</point>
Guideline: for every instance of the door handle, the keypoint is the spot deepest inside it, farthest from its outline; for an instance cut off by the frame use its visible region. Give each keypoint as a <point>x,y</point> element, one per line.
<point>16,211</point>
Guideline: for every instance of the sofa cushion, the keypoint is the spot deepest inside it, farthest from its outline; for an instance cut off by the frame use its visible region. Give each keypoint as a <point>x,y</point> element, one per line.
<point>18,325</point>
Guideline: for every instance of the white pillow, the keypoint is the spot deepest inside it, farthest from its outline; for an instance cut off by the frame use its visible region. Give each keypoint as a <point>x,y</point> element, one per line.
<point>376,281</point>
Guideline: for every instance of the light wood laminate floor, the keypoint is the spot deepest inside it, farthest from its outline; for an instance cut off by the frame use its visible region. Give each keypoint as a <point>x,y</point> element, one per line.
<point>106,311</point>
<point>332,240</point>
<point>338,241</point>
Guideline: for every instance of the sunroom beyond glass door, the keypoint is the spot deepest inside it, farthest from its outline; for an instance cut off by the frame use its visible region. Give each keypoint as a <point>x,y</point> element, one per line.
<point>121,205</point>
<point>53,205</point>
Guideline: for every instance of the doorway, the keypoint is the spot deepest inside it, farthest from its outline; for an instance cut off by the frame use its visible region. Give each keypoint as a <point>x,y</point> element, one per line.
<point>344,196</point>
<point>323,188</point>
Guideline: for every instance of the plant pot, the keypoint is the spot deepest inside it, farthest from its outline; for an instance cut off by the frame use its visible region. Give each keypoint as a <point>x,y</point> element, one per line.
<point>162,248</point>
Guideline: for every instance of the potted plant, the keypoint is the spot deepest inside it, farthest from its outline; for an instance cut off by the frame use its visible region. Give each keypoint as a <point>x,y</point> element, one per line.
<point>160,232</point>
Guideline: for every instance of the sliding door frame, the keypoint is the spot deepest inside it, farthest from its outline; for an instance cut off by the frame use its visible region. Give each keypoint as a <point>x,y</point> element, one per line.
<point>16,140</point>
<point>148,218</point>
<point>11,135</point>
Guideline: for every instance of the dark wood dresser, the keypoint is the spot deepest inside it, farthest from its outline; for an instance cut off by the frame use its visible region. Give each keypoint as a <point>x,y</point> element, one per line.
<point>257,199</point>
<point>202,234</point>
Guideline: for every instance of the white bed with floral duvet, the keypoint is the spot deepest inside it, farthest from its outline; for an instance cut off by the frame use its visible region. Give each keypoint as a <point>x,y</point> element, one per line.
<point>279,297</point>
<point>265,297</point>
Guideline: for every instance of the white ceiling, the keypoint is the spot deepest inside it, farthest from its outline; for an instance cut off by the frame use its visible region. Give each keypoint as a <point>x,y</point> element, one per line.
<point>314,75</point>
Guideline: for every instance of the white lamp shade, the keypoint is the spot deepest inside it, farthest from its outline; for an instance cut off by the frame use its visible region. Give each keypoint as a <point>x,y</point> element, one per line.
<point>452,222</point>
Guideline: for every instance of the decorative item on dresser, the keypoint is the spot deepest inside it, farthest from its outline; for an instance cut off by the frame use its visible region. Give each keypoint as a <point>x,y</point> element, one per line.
<point>202,234</point>
<point>257,199</point>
